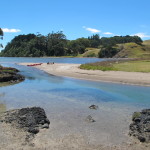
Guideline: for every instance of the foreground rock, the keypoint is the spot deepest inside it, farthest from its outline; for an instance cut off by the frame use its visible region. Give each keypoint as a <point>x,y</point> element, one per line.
<point>140,128</point>
<point>28,119</point>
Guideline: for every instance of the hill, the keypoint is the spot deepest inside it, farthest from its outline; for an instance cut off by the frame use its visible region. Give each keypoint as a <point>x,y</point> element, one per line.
<point>56,44</point>
<point>90,52</point>
<point>133,50</point>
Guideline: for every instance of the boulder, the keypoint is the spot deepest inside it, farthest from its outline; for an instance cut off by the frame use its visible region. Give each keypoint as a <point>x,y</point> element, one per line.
<point>29,119</point>
<point>140,126</point>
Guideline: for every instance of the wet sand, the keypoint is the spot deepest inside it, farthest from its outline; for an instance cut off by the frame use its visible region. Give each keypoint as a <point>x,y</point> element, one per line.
<point>73,70</point>
<point>70,131</point>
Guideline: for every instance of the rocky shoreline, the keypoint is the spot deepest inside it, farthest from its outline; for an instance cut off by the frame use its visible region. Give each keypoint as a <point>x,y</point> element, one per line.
<point>28,129</point>
<point>140,127</point>
<point>10,75</point>
<point>27,120</point>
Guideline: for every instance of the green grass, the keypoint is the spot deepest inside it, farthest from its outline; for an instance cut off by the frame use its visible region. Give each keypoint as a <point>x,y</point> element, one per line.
<point>96,67</point>
<point>128,66</point>
<point>133,66</point>
<point>90,52</point>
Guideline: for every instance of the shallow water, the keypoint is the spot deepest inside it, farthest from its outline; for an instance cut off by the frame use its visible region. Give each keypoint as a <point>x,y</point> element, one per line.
<point>66,101</point>
<point>40,88</point>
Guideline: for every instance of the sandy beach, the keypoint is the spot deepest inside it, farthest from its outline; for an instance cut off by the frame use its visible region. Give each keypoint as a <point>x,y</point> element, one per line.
<point>73,70</point>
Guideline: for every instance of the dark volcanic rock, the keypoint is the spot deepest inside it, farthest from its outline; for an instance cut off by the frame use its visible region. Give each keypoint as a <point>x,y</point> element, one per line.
<point>11,75</point>
<point>28,119</point>
<point>11,78</point>
<point>93,107</point>
<point>140,127</point>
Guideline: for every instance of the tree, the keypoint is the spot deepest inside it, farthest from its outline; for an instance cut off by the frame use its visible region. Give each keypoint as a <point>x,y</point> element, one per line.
<point>56,43</point>
<point>1,37</point>
<point>107,52</point>
<point>95,40</point>
<point>76,47</point>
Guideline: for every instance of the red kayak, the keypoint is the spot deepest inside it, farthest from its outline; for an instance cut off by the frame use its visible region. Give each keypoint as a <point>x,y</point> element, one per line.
<point>34,64</point>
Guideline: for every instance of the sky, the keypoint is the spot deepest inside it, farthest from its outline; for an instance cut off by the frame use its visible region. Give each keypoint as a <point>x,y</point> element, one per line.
<point>76,18</point>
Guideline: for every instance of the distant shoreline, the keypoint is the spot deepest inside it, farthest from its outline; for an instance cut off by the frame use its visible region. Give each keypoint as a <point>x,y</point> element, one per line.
<point>73,71</point>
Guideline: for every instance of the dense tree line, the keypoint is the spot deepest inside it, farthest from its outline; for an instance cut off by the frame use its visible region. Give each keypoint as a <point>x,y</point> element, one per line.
<point>56,44</point>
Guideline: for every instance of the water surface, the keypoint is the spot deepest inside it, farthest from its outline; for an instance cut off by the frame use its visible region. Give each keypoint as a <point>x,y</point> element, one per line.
<point>40,88</point>
<point>66,102</point>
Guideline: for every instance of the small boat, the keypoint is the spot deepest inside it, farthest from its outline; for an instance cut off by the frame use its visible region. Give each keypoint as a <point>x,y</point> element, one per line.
<point>34,64</point>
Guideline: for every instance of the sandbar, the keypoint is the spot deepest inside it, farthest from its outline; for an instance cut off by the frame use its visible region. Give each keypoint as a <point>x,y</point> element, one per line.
<point>73,71</point>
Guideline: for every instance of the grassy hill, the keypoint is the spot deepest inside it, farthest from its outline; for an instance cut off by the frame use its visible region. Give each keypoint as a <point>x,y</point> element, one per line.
<point>127,50</point>
<point>90,52</point>
<point>141,63</point>
<point>133,50</point>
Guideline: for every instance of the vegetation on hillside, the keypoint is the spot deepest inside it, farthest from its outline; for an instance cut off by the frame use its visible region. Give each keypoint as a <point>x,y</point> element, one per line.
<point>132,50</point>
<point>56,44</point>
<point>90,52</point>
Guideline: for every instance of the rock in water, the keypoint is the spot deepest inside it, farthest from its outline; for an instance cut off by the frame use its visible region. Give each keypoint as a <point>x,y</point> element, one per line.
<point>93,107</point>
<point>90,119</point>
<point>28,119</point>
<point>140,127</point>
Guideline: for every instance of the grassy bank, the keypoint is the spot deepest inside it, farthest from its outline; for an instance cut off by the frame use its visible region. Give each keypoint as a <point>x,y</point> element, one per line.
<point>120,65</point>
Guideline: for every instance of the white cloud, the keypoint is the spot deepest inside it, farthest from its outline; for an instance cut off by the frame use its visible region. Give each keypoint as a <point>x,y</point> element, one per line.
<point>108,33</point>
<point>141,35</point>
<point>11,30</point>
<point>91,30</point>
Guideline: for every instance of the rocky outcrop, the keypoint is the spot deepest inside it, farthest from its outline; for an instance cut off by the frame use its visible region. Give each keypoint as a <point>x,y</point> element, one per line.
<point>30,120</point>
<point>11,78</point>
<point>140,127</point>
<point>11,75</point>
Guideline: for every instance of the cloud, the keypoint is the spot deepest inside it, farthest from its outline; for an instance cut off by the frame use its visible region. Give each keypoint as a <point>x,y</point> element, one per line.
<point>11,30</point>
<point>91,30</point>
<point>141,35</point>
<point>108,33</point>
